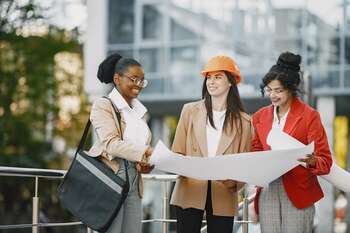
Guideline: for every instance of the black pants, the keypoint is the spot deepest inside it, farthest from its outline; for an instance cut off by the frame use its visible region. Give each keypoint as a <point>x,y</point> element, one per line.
<point>190,220</point>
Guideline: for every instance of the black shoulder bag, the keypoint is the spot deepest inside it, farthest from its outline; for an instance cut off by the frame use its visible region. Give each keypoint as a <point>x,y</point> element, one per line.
<point>90,190</point>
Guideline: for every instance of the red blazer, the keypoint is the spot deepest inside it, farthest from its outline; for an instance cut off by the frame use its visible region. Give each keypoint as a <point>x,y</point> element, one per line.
<point>304,124</point>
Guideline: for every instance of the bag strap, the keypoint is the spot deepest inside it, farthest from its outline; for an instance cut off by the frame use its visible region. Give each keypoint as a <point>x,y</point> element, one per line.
<point>83,138</point>
<point>117,113</point>
<point>80,146</point>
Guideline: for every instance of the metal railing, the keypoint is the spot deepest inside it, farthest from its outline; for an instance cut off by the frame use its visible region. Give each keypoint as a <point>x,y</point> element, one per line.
<point>165,179</point>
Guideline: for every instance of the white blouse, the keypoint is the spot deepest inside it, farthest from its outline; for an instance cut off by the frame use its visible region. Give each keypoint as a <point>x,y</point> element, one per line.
<point>136,129</point>
<point>279,123</point>
<point>214,135</point>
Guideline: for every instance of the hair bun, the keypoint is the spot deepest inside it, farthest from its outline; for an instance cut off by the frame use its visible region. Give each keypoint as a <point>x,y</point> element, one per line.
<point>289,61</point>
<point>106,69</point>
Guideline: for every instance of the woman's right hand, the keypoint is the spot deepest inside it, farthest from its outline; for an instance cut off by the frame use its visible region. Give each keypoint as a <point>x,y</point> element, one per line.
<point>149,152</point>
<point>144,168</point>
<point>146,156</point>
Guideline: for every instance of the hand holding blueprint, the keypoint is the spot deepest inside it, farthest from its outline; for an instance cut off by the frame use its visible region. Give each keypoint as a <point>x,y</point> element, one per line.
<point>256,168</point>
<point>337,176</point>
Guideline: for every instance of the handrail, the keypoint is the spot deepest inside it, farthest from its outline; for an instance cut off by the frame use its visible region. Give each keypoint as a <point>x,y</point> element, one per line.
<point>160,177</point>
<point>53,173</point>
<point>30,225</point>
<point>59,174</point>
<point>31,172</point>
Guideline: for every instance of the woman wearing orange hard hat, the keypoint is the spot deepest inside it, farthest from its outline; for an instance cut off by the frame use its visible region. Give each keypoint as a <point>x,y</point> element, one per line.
<point>214,126</point>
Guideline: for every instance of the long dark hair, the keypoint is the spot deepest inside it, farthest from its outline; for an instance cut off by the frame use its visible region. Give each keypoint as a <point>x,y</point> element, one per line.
<point>233,103</point>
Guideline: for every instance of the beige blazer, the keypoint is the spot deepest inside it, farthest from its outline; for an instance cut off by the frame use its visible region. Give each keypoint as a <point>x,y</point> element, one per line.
<point>190,139</point>
<point>109,144</point>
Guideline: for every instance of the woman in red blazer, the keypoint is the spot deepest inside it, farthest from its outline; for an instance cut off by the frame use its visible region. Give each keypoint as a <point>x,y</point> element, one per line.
<point>287,204</point>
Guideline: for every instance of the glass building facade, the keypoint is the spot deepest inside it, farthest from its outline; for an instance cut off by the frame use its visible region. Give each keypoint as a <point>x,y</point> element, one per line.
<point>168,51</point>
<point>172,39</point>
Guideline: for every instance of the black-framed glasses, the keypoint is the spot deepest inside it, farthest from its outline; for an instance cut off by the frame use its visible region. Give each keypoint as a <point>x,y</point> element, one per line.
<point>137,81</point>
<point>277,91</point>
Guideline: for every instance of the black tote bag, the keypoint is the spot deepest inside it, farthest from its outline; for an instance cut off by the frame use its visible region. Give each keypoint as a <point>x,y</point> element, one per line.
<point>90,190</point>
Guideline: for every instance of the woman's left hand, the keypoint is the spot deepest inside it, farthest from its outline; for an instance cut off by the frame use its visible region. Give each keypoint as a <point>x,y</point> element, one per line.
<point>310,160</point>
<point>231,184</point>
<point>144,168</point>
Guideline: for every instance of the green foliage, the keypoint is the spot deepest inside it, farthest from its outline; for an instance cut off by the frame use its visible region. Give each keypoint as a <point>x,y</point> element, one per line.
<point>29,106</point>
<point>28,92</point>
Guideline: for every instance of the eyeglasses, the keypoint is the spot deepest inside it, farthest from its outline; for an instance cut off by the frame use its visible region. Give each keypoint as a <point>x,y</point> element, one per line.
<point>137,81</point>
<point>277,91</point>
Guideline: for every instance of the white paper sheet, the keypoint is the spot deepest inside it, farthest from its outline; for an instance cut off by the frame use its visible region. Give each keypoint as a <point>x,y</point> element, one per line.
<point>337,176</point>
<point>256,168</point>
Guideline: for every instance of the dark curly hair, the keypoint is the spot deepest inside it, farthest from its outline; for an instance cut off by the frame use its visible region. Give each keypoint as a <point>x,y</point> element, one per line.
<point>287,71</point>
<point>114,64</point>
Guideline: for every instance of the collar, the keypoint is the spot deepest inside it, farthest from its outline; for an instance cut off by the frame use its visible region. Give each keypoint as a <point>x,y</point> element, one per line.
<point>122,105</point>
<point>275,116</point>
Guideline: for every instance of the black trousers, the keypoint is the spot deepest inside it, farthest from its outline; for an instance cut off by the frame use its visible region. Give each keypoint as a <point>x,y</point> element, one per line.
<point>190,220</point>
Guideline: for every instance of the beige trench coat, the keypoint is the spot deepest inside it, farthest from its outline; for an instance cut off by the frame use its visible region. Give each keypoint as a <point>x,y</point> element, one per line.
<point>190,139</point>
<point>109,144</point>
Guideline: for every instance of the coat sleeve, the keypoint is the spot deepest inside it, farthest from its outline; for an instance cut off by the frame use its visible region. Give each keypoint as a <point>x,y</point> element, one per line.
<point>256,146</point>
<point>107,130</point>
<point>250,137</point>
<point>256,142</point>
<point>179,143</point>
<point>317,134</point>
<point>247,147</point>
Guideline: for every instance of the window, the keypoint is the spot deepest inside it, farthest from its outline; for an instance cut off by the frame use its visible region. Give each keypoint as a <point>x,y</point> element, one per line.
<point>121,21</point>
<point>151,22</point>
<point>149,59</point>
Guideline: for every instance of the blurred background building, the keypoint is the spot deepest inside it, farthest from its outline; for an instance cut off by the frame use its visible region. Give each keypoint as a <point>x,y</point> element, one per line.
<point>50,51</point>
<point>173,39</point>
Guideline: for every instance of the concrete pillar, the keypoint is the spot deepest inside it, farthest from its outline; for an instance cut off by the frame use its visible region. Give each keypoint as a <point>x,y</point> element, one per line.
<point>325,207</point>
<point>95,47</point>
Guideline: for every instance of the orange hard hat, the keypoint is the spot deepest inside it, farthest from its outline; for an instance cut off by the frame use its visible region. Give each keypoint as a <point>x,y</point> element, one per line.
<point>222,63</point>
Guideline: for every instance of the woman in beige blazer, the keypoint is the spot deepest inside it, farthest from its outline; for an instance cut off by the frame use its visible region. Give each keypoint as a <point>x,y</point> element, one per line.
<point>132,144</point>
<point>213,126</point>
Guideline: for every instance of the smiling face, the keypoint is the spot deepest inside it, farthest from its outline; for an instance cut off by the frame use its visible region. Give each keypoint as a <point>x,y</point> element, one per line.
<point>217,83</point>
<point>279,96</point>
<point>126,83</point>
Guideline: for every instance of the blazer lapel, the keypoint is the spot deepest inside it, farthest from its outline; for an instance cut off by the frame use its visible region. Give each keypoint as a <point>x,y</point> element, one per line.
<point>294,116</point>
<point>264,126</point>
<point>225,141</point>
<point>122,120</point>
<point>291,123</point>
<point>200,129</point>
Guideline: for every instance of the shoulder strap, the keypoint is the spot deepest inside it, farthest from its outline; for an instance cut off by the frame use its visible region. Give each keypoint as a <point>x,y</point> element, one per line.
<point>117,113</point>
<point>83,138</point>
